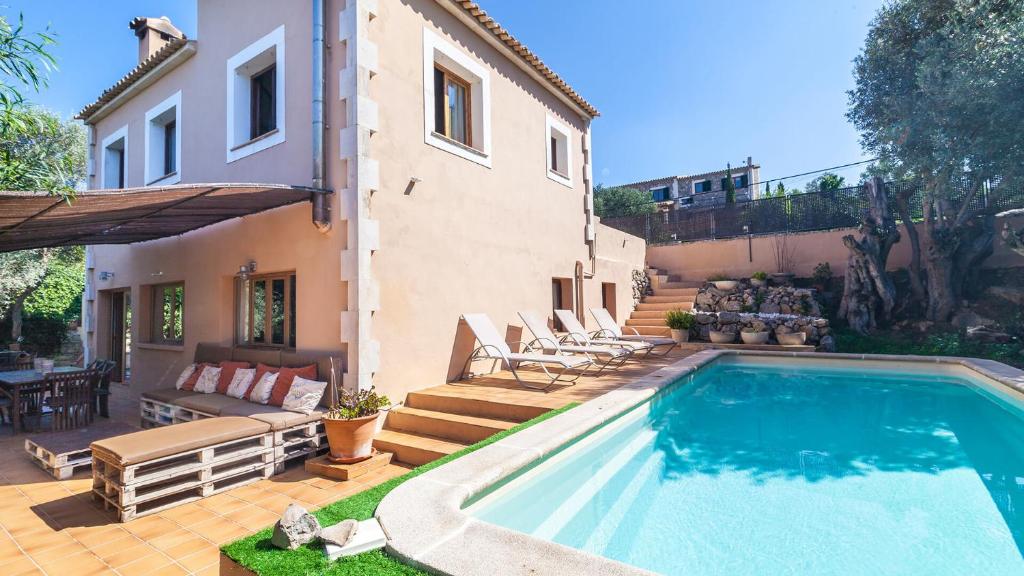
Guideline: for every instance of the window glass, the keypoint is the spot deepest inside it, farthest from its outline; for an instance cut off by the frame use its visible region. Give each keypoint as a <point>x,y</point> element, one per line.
<point>259,311</point>
<point>170,139</point>
<point>277,311</point>
<point>168,312</point>
<point>451,106</point>
<point>264,110</point>
<point>269,309</point>
<point>457,111</point>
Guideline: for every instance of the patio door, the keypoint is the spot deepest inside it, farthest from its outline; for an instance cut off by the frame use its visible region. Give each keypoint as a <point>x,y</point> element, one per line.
<point>120,335</point>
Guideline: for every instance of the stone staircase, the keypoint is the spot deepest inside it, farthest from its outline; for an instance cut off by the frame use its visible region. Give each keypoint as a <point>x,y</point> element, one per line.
<point>669,293</point>
<point>432,424</point>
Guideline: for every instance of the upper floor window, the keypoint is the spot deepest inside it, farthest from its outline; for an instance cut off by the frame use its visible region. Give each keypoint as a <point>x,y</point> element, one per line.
<point>114,159</point>
<point>267,312</point>
<point>256,97</point>
<point>456,101</point>
<point>661,194</point>
<point>163,142</point>
<point>737,182</point>
<point>558,152</point>
<point>702,186</point>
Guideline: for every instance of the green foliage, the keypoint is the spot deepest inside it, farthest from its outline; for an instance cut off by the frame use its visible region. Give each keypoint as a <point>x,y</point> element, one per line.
<point>759,276</point>
<point>822,273</point>
<point>60,293</point>
<point>825,183</point>
<point>934,344</point>
<point>718,276</point>
<point>357,404</point>
<point>42,153</point>
<point>618,201</point>
<point>25,61</point>
<point>679,319</point>
<point>256,553</point>
<point>730,186</point>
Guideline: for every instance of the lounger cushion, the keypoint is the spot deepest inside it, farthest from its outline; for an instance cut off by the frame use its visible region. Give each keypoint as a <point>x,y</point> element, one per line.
<point>211,404</point>
<point>156,443</point>
<point>167,395</point>
<point>279,419</point>
<point>568,361</point>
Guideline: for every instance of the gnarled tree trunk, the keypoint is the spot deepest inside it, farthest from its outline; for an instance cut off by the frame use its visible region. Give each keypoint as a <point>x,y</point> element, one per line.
<point>869,294</point>
<point>917,290</point>
<point>1013,238</point>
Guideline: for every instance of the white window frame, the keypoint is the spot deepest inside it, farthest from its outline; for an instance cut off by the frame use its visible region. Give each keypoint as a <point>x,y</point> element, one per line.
<point>552,126</point>
<point>151,179</point>
<point>238,101</point>
<point>119,134</point>
<point>438,51</point>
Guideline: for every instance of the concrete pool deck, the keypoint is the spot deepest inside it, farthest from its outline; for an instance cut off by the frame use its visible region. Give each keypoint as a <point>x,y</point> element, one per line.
<point>428,528</point>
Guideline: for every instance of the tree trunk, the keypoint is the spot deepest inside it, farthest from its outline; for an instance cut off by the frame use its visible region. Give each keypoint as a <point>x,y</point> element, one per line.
<point>1014,238</point>
<point>868,291</point>
<point>916,286</point>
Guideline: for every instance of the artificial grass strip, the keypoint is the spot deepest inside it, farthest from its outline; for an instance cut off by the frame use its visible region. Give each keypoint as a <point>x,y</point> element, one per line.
<point>257,554</point>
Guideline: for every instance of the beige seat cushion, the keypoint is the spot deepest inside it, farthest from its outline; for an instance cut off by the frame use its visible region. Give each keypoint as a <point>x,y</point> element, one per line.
<point>277,418</point>
<point>156,443</point>
<point>212,404</point>
<point>168,395</point>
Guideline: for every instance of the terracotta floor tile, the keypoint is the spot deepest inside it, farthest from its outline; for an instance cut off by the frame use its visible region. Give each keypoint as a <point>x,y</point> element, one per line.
<point>189,515</point>
<point>254,517</point>
<point>201,560</point>
<point>128,555</point>
<point>18,565</point>
<point>110,547</point>
<point>171,570</point>
<point>84,563</point>
<point>170,539</point>
<point>189,547</point>
<point>219,530</point>
<point>145,565</point>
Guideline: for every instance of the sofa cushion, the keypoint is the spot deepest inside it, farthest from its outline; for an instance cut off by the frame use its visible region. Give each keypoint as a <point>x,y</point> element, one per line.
<point>190,383</point>
<point>254,356</point>
<point>241,382</point>
<point>154,443</point>
<point>227,372</point>
<point>284,381</point>
<point>212,353</point>
<point>278,418</point>
<point>208,403</point>
<point>208,379</point>
<point>186,373</point>
<point>261,370</point>
<point>323,361</point>
<point>304,395</point>
<point>167,395</point>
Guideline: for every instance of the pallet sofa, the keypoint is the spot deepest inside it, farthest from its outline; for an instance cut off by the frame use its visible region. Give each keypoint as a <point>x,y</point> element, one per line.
<point>197,444</point>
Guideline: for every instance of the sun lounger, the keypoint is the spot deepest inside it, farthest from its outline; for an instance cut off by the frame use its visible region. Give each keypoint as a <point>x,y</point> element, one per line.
<point>610,328</point>
<point>605,355</point>
<point>578,334</point>
<point>493,347</point>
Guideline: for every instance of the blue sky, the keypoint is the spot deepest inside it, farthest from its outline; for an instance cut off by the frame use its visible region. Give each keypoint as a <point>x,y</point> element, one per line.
<point>684,86</point>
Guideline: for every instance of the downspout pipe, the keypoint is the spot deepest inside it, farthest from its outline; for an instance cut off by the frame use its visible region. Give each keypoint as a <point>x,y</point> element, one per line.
<point>321,206</point>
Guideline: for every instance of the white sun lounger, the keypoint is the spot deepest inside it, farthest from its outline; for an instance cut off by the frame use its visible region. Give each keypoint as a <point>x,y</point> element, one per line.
<point>579,335</point>
<point>610,328</point>
<point>493,347</point>
<point>544,339</point>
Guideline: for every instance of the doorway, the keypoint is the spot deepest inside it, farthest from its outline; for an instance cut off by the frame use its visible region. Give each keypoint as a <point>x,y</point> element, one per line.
<point>120,343</point>
<point>608,299</point>
<point>561,299</point>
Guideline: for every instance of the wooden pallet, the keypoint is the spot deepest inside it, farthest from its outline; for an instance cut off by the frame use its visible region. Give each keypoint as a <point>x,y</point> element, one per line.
<point>61,453</point>
<point>302,441</point>
<point>154,413</point>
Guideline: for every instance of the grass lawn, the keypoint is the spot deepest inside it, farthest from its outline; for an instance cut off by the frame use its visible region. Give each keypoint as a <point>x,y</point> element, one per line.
<point>256,553</point>
<point>932,344</point>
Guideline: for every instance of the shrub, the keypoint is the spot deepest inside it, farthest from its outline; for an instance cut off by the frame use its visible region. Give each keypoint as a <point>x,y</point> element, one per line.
<point>717,276</point>
<point>762,276</point>
<point>679,319</point>
<point>352,405</point>
<point>822,274</point>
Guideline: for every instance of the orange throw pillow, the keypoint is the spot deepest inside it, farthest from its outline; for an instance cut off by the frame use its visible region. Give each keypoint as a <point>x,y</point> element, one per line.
<point>261,369</point>
<point>190,384</point>
<point>284,382</point>
<point>227,372</point>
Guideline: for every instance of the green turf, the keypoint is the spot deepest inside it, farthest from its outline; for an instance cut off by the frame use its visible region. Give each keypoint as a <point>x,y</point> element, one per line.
<point>256,553</point>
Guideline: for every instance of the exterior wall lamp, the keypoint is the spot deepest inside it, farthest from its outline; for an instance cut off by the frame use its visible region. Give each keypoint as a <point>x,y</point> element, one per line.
<point>245,270</point>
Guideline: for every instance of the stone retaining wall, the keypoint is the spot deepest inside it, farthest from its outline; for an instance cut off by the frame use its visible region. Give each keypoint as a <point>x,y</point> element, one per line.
<point>818,331</point>
<point>765,299</point>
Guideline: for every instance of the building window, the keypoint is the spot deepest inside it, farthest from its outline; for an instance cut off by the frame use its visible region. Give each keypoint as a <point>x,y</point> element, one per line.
<point>737,182</point>
<point>267,311</point>
<point>168,313</point>
<point>702,186</point>
<point>114,159</point>
<point>163,142</point>
<point>558,152</point>
<point>661,194</point>
<point>256,97</point>
<point>686,200</point>
<point>456,101</point>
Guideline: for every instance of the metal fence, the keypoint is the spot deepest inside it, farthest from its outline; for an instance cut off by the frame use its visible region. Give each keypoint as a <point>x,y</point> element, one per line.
<point>826,210</point>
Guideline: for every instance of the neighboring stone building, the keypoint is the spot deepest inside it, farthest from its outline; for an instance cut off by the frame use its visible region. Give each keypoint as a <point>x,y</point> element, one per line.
<point>706,189</point>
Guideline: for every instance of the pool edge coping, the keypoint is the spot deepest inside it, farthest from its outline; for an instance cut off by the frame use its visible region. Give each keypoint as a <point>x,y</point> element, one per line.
<point>427,527</point>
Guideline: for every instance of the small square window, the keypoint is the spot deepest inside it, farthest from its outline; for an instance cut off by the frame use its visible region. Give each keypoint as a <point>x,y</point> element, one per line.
<point>114,159</point>
<point>559,158</point>
<point>163,142</point>
<point>255,97</point>
<point>266,315</point>
<point>262,106</point>
<point>452,107</point>
<point>456,101</point>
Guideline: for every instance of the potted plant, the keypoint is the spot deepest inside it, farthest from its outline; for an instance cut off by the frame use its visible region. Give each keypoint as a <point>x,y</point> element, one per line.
<point>722,282</point>
<point>783,252</point>
<point>720,337</point>
<point>759,279</point>
<point>790,338</point>
<point>350,424</point>
<point>751,335</point>
<point>680,322</point>
<point>821,278</point>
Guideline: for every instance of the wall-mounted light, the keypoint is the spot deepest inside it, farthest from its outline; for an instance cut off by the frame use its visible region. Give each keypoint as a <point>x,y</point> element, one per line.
<point>245,270</point>
<point>412,184</point>
<point>106,276</point>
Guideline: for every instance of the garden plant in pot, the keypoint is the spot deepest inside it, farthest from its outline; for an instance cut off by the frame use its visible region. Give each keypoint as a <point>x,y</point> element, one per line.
<point>350,424</point>
<point>680,322</point>
<point>721,337</point>
<point>751,335</point>
<point>759,279</point>
<point>722,282</point>
<point>821,278</point>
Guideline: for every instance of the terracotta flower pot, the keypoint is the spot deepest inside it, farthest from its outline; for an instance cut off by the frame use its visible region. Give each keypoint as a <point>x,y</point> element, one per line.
<point>351,441</point>
<point>680,335</point>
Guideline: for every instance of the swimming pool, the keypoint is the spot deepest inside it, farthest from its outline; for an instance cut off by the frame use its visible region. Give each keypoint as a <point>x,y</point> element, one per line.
<point>769,465</point>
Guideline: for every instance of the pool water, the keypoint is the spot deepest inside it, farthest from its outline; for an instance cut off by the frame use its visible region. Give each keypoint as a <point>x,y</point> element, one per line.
<point>747,468</point>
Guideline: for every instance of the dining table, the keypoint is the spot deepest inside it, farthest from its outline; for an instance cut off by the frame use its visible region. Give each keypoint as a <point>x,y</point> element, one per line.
<point>11,383</point>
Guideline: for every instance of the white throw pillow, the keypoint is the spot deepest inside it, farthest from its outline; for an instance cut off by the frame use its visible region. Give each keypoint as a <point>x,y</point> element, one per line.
<point>208,378</point>
<point>240,382</point>
<point>304,395</point>
<point>261,393</point>
<point>184,376</point>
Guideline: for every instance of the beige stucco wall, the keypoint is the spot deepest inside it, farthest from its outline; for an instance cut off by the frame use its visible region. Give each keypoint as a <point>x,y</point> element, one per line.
<point>465,239</point>
<point>699,260</point>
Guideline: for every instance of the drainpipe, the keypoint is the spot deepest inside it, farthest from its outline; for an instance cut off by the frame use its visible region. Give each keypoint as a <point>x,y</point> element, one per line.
<point>321,208</point>
<point>579,293</point>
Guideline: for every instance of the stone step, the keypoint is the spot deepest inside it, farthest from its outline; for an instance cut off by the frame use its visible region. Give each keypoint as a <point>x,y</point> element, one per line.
<point>681,292</point>
<point>663,299</point>
<point>664,306</point>
<point>645,322</point>
<point>652,330</point>
<point>455,427</point>
<point>414,449</point>
<point>656,314</point>
<point>480,407</point>
<point>682,284</point>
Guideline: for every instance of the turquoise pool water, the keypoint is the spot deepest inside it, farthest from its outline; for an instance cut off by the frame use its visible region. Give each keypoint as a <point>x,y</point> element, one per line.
<point>749,468</point>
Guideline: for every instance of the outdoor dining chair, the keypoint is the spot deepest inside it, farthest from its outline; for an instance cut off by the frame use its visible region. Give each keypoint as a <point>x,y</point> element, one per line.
<point>71,401</point>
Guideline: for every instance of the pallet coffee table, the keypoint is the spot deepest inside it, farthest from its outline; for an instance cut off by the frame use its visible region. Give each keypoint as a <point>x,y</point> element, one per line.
<point>61,453</point>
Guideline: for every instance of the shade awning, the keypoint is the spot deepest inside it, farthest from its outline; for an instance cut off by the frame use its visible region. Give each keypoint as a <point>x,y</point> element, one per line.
<point>122,216</point>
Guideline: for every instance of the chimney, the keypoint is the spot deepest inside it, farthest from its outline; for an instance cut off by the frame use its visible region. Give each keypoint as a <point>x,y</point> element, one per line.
<point>153,34</point>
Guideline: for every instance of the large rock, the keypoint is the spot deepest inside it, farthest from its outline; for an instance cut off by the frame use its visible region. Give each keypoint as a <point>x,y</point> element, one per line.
<point>1009,293</point>
<point>295,528</point>
<point>827,344</point>
<point>965,319</point>
<point>987,335</point>
<point>341,533</point>
<point>728,318</point>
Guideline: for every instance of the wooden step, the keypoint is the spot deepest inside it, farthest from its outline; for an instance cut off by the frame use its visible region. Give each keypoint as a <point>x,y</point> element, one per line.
<point>414,449</point>
<point>655,314</point>
<point>686,293</point>
<point>455,427</point>
<point>667,299</point>
<point>469,406</point>
<point>664,306</point>
<point>646,322</point>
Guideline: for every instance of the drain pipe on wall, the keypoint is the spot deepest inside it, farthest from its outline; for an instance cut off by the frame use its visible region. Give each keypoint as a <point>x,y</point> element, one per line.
<point>321,206</point>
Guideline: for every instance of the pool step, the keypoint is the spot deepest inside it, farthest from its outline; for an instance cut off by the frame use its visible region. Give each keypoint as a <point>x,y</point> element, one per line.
<point>455,427</point>
<point>414,449</point>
